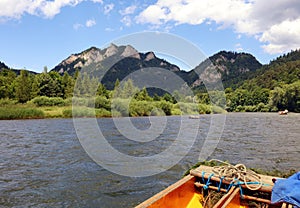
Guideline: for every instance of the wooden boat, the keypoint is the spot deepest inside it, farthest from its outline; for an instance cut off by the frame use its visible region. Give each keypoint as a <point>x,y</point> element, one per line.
<point>188,193</point>
<point>194,116</point>
<point>285,112</point>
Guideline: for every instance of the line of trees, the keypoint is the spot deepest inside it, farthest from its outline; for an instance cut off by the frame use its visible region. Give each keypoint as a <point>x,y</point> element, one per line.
<point>28,86</point>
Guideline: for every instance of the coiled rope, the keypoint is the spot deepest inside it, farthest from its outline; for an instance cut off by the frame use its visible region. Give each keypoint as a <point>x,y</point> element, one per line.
<point>238,175</point>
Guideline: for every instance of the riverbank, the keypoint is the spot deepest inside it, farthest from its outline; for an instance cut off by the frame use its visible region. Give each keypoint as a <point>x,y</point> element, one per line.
<point>56,107</point>
<point>44,107</point>
<point>28,111</point>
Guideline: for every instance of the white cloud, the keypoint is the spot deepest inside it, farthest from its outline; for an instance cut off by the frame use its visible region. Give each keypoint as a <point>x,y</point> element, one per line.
<point>108,8</point>
<point>90,23</point>
<point>126,20</point>
<point>77,26</point>
<point>14,9</point>
<point>98,1</point>
<point>153,14</point>
<point>282,37</point>
<point>52,8</point>
<point>128,10</point>
<point>274,23</point>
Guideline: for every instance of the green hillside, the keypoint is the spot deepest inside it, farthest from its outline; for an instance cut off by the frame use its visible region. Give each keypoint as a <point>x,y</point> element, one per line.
<point>274,86</point>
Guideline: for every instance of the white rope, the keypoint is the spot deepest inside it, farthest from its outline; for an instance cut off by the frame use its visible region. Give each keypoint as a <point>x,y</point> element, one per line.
<point>236,173</point>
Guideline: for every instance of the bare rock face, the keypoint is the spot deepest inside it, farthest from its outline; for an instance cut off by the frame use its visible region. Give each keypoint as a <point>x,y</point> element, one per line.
<point>150,56</point>
<point>93,55</point>
<point>111,50</point>
<point>129,51</point>
<point>69,60</point>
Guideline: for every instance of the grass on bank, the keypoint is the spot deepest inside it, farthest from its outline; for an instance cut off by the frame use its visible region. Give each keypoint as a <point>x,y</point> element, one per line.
<point>20,112</point>
<point>45,107</point>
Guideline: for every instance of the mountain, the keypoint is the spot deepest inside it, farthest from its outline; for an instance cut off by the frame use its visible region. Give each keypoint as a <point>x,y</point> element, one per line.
<point>232,67</point>
<point>3,66</point>
<point>120,60</point>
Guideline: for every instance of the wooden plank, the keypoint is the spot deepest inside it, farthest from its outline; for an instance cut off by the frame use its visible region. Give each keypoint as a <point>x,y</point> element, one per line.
<point>224,199</point>
<point>266,180</point>
<point>252,198</point>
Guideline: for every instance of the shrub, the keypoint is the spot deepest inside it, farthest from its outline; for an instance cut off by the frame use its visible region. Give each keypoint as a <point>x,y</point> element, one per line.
<point>120,107</point>
<point>204,109</point>
<point>217,109</point>
<point>102,102</point>
<point>77,101</point>
<point>261,107</point>
<point>140,108</point>
<point>240,108</point>
<point>158,112</point>
<point>188,108</point>
<point>68,101</point>
<point>48,101</point>
<point>165,106</point>
<point>20,113</point>
<point>79,112</point>
<point>176,111</point>
<point>7,102</point>
<point>250,108</point>
<point>102,113</point>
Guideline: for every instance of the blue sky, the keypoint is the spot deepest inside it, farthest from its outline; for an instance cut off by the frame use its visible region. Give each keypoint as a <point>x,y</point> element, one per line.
<point>38,33</point>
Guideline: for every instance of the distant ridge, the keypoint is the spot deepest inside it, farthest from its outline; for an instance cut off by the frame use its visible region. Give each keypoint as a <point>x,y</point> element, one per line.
<point>3,66</point>
<point>125,60</point>
<point>230,65</point>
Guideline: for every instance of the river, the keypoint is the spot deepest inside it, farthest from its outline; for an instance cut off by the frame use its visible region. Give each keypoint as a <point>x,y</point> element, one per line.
<point>42,162</point>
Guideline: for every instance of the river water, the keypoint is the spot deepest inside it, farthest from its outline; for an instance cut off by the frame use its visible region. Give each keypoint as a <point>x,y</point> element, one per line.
<point>42,162</point>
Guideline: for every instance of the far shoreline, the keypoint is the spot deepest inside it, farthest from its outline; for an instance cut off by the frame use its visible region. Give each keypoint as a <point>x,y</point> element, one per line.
<point>50,116</point>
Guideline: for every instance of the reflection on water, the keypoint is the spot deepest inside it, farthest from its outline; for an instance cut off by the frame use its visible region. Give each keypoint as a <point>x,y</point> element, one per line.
<point>42,163</point>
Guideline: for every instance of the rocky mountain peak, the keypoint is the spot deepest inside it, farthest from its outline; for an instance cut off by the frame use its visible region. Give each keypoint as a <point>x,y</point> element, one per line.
<point>108,55</point>
<point>129,51</point>
<point>111,50</point>
<point>150,56</point>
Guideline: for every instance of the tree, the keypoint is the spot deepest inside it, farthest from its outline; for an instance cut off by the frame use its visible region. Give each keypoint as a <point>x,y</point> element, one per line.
<point>49,84</point>
<point>45,70</point>
<point>35,88</point>
<point>128,89</point>
<point>125,90</point>
<point>67,85</point>
<point>143,95</point>
<point>167,97</point>
<point>23,87</point>
<point>286,97</point>
<point>7,78</point>
<point>85,86</point>
<point>102,91</point>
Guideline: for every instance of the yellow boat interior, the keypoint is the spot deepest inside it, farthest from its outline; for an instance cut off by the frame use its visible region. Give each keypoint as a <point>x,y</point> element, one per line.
<point>203,188</point>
